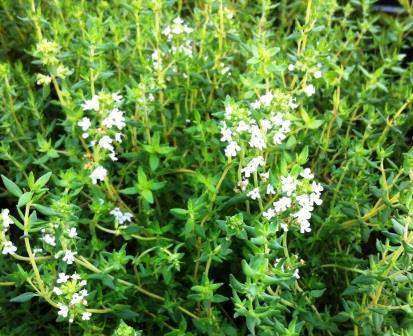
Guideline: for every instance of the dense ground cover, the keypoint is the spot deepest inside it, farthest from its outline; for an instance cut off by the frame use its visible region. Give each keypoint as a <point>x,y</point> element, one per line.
<point>206,168</point>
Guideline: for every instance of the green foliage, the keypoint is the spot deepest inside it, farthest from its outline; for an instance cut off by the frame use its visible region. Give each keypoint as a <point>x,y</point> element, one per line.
<point>244,170</point>
<point>124,330</point>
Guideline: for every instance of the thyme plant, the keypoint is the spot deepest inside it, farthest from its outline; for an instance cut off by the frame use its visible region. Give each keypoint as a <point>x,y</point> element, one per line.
<point>206,168</point>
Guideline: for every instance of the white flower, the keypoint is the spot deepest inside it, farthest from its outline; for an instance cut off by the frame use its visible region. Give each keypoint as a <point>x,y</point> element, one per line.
<point>256,105</point>
<point>76,298</point>
<point>121,217</point>
<point>302,216</point>
<point>266,124</point>
<point>106,143</point>
<point>265,176</point>
<point>118,137</point>
<point>292,103</point>
<point>291,67</point>
<point>75,276</point>
<point>226,133</point>
<point>99,173</point>
<point>115,118</point>
<point>117,98</point>
<point>282,204</point>
<point>37,250</point>
<point>9,248</point>
<point>315,198</point>
<point>5,216</point>
<point>92,104</point>
<point>306,202</point>
<point>317,187</point>
<point>270,190</point>
<point>157,60</point>
<point>167,31</point>
<point>257,139</point>
<point>278,138</point>
<point>63,310</point>
<point>86,316</point>
<point>62,278</point>
<point>266,99</point>
<point>277,119</point>
<point>57,291</point>
<point>305,226</point>
<point>228,111</point>
<point>288,185</point>
<point>296,274</point>
<point>254,194</point>
<point>113,156</point>
<point>309,90</point>
<point>84,123</point>
<point>49,239</point>
<point>243,126</point>
<point>253,165</point>
<point>285,126</point>
<point>243,185</point>
<point>72,232</point>
<point>69,257</point>
<point>306,173</point>
<point>318,74</point>
<point>232,149</point>
<point>84,293</point>
<point>85,135</point>
<point>284,227</point>
<point>270,213</point>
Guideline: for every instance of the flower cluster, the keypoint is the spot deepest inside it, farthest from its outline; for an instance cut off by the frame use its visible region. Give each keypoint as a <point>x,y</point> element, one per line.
<point>106,133</point>
<point>253,131</point>
<point>48,53</point>
<point>48,238</point>
<point>312,72</point>
<point>67,237</point>
<point>248,129</point>
<point>177,36</point>
<point>297,201</point>
<point>121,217</point>
<point>177,27</point>
<point>8,246</point>
<point>71,293</point>
<point>289,266</point>
<point>263,124</point>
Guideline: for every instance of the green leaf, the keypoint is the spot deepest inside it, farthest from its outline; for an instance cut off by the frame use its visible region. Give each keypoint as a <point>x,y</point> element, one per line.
<point>124,330</point>
<point>24,297</point>
<point>105,278</point>
<point>180,213</point>
<point>147,195</point>
<point>11,186</point>
<point>153,162</point>
<point>314,124</point>
<point>43,180</point>
<point>24,199</point>
<point>398,227</point>
<point>316,293</point>
<point>129,191</point>
<point>46,210</point>
<point>303,157</point>
<point>30,181</point>
<point>142,179</point>
<point>158,185</point>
